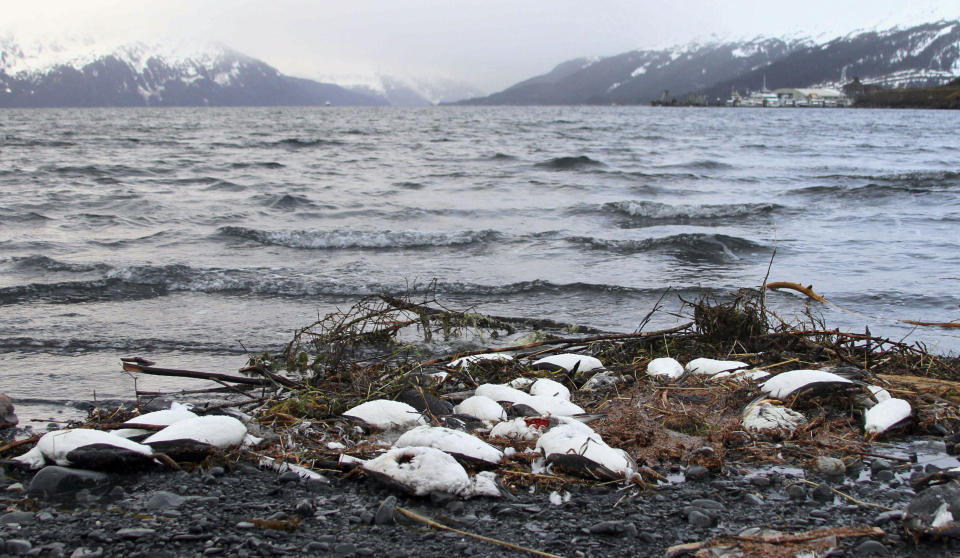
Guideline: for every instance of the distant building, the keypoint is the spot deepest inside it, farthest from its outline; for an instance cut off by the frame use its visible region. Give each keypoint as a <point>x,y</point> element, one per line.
<point>811,98</point>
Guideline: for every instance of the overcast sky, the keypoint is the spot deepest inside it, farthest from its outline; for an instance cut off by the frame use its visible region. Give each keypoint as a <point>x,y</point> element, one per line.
<point>490,43</point>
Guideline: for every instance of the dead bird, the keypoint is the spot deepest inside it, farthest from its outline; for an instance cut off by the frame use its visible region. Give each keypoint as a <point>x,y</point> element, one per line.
<point>7,417</point>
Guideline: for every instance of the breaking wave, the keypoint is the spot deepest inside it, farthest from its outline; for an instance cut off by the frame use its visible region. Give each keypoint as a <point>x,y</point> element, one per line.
<point>570,163</point>
<point>352,239</point>
<point>686,246</point>
<point>639,213</point>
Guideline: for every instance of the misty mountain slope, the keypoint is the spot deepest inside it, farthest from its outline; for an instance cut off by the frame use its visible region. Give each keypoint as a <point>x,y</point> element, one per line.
<point>926,54</point>
<point>141,75</point>
<point>409,92</point>
<point>639,76</point>
<point>922,56</point>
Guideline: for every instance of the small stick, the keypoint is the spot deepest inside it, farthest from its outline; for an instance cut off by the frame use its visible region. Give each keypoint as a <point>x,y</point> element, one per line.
<point>426,520</point>
<point>847,496</point>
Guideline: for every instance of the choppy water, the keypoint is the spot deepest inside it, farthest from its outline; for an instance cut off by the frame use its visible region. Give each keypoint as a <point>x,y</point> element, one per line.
<point>188,235</point>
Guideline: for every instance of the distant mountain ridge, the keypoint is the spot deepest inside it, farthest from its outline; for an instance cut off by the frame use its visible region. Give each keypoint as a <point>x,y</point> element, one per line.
<point>143,75</point>
<point>921,55</point>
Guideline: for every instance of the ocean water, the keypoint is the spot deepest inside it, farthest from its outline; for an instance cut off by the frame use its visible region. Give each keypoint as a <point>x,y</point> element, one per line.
<point>192,236</point>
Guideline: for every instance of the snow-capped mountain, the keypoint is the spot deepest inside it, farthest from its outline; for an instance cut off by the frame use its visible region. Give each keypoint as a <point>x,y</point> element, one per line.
<point>921,55</point>
<point>138,74</point>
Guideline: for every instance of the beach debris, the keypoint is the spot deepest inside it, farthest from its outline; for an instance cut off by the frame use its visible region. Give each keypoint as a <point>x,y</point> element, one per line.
<point>711,367</point>
<point>601,380</point>
<point>665,366</point>
<point>57,446</point>
<point>785,384</point>
<point>568,363</point>
<point>885,415</point>
<point>420,471</point>
<point>769,414</point>
<point>283,467</point>
<point>585,453</point>
<point>424,402</point>
<point>539,404</point>
<point>520,428</point>
<point>934,512</point>
<point>474,359</point>
<point>454,442</point>
<point>385,414</point>
<point>759,542</point>
<point>7,417</point>
<point>481,407</point>
<point>550,388</point>
<point>501,393</point>
<point>741,376</point>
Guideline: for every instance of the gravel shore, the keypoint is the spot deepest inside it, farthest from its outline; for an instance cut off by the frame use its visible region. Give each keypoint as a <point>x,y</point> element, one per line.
<point>241,510</point>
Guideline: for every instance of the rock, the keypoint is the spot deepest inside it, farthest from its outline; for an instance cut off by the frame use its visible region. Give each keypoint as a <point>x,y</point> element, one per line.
<point>20,518</point>
<point>344,550</point>
<point>84,552</point>
<point>288,476</point>
<point>797,492</point>
<point>870,548</point>
<point>823,494</point>
<point>696,473</point>
<point>384,515</point>
<point>613,528</point>
<point>17,546</point>
<point>879,465</point>
<point>135,533</point>
<point>708,507</point>
<point>829,466</point>
<point>163,500</point>
<point>887,516</point>
<point>7,417</point>
<point>62,482</point>
<point>934,511</point>
<point>885,475</point>
<point>699,519</point>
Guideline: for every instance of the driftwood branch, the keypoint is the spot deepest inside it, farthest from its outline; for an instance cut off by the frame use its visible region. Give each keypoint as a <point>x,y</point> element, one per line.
<point>133,365</point>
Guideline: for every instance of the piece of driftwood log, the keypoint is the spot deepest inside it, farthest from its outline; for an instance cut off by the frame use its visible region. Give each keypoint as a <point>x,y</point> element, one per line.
<point>133,365</point>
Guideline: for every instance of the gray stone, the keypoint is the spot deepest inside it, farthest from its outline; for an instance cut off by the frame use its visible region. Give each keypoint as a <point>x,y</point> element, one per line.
<point>870,548</point>
<point>61,482</point>
<point>886,475</point>
<point>797,492</point>
<point>696,473</point>
<point>613,528</point>
<point>895,515</point>
<point>753,500</point>
<point>288,476</point>
<point>84,552</point>
<point>829,466</point>
<point>17,546</point>
<point>344,550</point>
<point>245,525</point>
<point>135,533</point>
<point>760,481</point>
<point>880,465</point>
<point>20,518</point>
<point>163,500</point>
<point>823,494</point>
<point>699,519</point>
<point>385,513</point>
